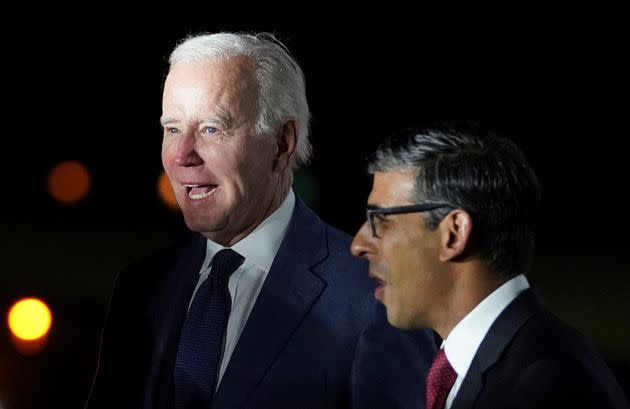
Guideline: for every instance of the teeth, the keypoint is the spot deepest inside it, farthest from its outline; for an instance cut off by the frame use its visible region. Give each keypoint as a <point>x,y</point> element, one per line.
<point>200,195</point>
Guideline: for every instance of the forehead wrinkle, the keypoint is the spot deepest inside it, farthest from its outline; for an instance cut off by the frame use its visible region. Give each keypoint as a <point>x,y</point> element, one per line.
<point>215,112</point>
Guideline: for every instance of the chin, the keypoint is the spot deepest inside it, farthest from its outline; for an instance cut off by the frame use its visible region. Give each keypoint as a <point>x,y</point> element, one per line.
<point>398,321</point>
<point>196,223</point>
<point>393,318</point>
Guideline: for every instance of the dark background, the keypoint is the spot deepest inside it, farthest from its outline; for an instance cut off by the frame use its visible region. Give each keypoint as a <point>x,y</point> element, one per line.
<point>86,85</point>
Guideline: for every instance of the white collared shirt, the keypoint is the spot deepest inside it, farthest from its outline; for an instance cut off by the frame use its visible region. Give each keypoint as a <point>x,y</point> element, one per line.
<point>462,343</point>
<point>259,249</point>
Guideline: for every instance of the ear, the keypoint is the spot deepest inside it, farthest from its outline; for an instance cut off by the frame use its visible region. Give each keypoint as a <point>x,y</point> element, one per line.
<point>285,145</point>
<point>455,229</point>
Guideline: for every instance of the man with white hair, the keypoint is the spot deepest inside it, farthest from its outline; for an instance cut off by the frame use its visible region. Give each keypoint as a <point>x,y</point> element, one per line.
<point>263,306</point>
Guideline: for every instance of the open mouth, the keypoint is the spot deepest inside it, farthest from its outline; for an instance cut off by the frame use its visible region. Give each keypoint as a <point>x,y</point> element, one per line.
<point>380,285</point>
<point>198,192</point>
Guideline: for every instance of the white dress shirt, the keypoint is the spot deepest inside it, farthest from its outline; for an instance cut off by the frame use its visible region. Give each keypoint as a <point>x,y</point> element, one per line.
<point>462,343</point>
<point>259,249</point>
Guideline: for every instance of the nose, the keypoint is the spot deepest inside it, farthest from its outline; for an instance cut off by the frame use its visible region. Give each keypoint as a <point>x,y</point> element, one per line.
<point>187,151</point>
<point>362,245</point>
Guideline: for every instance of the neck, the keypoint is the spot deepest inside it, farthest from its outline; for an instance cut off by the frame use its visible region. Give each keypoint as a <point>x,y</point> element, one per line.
<point>470,288</point>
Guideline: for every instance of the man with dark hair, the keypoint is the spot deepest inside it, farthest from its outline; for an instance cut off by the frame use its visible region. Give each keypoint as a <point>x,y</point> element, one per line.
<point>449,237</point>
<point>262,306</point>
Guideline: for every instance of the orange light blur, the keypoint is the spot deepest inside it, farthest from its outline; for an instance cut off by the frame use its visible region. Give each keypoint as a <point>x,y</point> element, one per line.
<point>29,319</point>
<point>165,190</point>
<point>69,182</point>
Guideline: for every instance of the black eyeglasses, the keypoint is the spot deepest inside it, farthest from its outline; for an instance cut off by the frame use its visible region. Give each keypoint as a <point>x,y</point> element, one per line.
<point>372,211</point>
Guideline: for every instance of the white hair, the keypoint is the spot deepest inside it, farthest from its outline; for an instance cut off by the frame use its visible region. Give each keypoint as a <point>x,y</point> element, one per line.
<point>282,90</point>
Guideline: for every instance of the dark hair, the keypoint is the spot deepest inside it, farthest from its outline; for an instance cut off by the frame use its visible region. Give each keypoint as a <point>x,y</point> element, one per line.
<point>480,172</point>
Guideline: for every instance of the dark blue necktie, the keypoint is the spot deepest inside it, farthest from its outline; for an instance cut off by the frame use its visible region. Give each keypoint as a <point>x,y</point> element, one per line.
<point>201,341</point>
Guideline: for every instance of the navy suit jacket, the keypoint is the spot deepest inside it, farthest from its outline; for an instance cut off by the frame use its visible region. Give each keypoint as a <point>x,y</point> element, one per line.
<point>530,359</point>
<point>314,327</point>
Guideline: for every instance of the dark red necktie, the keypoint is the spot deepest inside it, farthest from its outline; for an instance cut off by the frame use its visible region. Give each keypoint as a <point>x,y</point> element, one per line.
<point>440,380</point>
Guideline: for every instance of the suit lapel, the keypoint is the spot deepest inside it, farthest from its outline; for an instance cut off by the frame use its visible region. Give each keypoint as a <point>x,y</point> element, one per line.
<point>470,388</point>
<point>285,299</point>
<point>496,340</point>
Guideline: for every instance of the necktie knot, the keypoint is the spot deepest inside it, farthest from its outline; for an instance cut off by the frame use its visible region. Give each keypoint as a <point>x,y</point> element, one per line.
<point>225,262</point>
<point>440,380</point>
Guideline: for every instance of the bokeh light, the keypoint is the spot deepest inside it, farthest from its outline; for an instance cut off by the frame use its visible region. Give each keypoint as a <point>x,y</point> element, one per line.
<point>29,319</point>
<point>69,182</point>
<point>165,190</point>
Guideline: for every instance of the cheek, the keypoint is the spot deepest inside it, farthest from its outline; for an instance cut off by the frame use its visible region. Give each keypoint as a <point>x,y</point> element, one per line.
<point>255,165</point>
<point>402,253</point>
<point>404,273</point>
<point>410,263</point>
<point>220,159</point>
<point>258,149</point>
<point>169,152</point>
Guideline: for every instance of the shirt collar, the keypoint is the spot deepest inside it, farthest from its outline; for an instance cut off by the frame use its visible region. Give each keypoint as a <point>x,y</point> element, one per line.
<point>462,343</point>
<point>261,245</point>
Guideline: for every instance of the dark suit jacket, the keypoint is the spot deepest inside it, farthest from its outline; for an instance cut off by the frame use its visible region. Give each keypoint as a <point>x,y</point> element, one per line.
<point>296,349</point>
<point>530,359</point>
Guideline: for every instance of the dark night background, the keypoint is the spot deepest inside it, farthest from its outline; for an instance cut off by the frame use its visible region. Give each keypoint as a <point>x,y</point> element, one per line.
<point>86,85</point>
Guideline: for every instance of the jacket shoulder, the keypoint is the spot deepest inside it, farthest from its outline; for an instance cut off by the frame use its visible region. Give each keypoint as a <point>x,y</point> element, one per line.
<point>548,363</point>
<point>152,267</point>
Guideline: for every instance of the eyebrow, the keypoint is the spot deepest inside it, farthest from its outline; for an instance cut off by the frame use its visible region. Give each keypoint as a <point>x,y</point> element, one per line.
<point>214,120</point>
<point>208,120</point>
<point>165,120</point>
